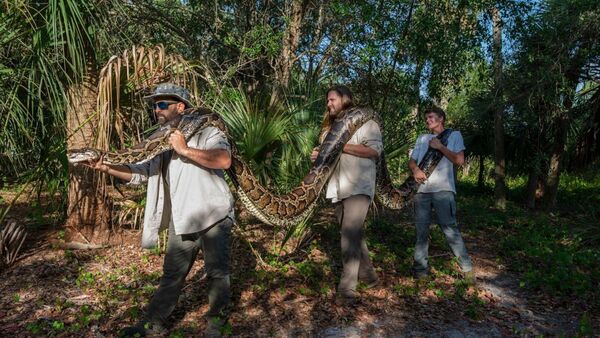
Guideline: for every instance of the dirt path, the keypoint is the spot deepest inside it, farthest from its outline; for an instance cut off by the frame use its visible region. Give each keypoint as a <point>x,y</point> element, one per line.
<point>507,313</point>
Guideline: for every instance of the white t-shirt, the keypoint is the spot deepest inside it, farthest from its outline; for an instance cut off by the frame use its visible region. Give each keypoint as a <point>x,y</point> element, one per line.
<point>442,178</point>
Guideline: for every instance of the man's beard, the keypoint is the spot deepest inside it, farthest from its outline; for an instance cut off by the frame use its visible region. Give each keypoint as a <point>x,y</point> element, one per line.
<point>161,119</point>
<point>335,112</point>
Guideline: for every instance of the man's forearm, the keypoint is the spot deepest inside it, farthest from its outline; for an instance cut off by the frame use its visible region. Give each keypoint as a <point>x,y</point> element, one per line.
<point>456,158</point>
<point>209,158</point>
<point>412,165</point>
<point>119,171</point>
<point>361,150</point>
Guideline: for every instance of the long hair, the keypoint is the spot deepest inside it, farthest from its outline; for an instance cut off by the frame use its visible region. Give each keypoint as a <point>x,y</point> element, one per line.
<point>347,102</point>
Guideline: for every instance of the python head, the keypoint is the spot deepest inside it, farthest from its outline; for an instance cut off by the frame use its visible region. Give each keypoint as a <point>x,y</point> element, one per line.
<point>83,155</point>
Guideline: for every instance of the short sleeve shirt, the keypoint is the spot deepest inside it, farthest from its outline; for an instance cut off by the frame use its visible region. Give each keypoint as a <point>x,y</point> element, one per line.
<point>198,197</point>
<point>442,178</point>
<point>355,175</point>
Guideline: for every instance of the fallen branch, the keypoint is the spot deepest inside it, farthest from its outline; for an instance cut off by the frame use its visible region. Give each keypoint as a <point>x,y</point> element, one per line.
<point>79,245</point>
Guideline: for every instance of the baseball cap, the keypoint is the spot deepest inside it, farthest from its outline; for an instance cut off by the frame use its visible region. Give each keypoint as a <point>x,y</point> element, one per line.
<point>171,90</point>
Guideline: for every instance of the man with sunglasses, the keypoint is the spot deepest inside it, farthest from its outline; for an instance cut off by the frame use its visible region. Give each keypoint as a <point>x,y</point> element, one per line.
<point>188,194</point>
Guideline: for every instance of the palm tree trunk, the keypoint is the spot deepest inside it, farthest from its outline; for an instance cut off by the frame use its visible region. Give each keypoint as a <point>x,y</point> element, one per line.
<point>88,211</point>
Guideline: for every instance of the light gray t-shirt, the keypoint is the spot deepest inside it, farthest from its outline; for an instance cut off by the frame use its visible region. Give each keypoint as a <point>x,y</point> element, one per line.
<point>442,178</point>
<point>355,175</point>
<point>198,197</point>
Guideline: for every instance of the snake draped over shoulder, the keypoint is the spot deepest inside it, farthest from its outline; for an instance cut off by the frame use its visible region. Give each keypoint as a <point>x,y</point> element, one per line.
<point>275,209</point>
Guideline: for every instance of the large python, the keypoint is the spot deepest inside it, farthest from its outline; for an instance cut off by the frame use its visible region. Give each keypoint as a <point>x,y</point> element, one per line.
<point>287,209</point>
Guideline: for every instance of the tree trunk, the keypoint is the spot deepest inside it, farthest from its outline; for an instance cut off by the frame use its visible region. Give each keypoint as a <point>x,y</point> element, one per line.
<point>88,212</point>
<point>480,175</point>
<point>416,92</point>
<point>399,52</point>
<point>499,157</point>
<point>558,149</point>
<point>317,38</point>
<point>291,41</point>
<point>466,169</point>
<point>532,182</point>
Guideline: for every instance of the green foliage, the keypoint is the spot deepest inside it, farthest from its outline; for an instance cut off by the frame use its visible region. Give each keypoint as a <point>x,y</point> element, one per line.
<point>585,326</point>
<point>260,40</point>
<point>580,193</point>
<point>406,290</point>
<point>470,110</point>
<point>46,47</point>
<point>272,139</point>
<point>390,244</point>
<point>34,328</point>
<point>558,44</point>
<point>555,252</point>
<point>58,325</point>
<point>475,308</point>
<point>85,279</point>
<point>551,257</point>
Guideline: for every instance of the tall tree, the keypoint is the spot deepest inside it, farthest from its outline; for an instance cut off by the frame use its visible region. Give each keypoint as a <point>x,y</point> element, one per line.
<point>291,40</point>
<point>499,158</point>
<point>88,211</point>
<point>559,43</point>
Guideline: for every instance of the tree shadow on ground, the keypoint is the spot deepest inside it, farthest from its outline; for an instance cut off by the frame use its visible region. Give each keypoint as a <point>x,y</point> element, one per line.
<point>91,292</point>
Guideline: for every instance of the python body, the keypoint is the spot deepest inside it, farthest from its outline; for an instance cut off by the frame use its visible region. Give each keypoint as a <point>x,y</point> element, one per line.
<point>287,209</point>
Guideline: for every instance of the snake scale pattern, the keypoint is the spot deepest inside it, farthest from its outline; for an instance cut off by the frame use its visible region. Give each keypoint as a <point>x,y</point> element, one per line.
<point>285,209</point>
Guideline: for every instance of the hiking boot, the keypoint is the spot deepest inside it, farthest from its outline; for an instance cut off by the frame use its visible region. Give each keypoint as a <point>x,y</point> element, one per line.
<point>347,297</point>
<point>421,275</point>
<point>372,283</point>
<point>142,329</point>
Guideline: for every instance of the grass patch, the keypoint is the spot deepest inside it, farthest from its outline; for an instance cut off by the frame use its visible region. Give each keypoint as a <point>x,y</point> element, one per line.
<point>556,252</point>
<point>551,257</point>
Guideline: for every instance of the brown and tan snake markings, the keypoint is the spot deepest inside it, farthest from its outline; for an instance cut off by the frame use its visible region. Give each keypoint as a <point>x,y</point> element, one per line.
<point>285,209</point>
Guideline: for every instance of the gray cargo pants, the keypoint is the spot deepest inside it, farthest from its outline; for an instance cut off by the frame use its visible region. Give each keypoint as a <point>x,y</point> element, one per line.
<point>181,254</point>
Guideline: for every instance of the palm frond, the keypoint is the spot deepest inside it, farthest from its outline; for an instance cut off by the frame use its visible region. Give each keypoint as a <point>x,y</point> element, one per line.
<point>125,79</point>
<point>12,237</point>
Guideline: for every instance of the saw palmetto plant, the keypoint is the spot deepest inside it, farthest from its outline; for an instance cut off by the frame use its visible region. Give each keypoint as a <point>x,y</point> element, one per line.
<point>12,237</point>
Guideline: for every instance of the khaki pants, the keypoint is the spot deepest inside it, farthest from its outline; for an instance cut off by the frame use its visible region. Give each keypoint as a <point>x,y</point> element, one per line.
<point>351,213</point>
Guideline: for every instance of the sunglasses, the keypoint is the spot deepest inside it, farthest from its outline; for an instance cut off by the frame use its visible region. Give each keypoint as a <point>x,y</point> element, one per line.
<point>163,104</point>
